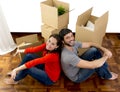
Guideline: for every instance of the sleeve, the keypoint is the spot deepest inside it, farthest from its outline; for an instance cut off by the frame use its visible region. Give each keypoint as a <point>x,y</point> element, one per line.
<point>35,49</point>
<point>45,59</point>
<point>78,44</point>
<point>70,59</point>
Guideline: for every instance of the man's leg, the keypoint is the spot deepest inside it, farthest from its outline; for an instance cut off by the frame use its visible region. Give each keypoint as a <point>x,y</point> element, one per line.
<point>92,54</point>
<point>89,55</point>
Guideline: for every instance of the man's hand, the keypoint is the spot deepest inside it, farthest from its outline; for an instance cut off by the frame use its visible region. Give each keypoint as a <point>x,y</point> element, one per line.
<point>107,53</point>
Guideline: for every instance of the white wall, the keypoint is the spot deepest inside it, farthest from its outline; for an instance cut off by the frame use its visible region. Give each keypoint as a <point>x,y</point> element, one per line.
<point>25,16</point>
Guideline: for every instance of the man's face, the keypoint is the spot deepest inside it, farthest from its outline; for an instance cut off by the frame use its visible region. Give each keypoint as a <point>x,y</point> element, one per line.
<point>69,39</point>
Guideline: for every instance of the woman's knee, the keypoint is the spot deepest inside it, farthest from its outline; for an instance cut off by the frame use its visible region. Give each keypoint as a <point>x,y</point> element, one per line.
<point>29,55</point>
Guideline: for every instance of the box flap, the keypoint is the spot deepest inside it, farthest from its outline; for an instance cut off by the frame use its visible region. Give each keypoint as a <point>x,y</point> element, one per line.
<point>93,18</point>
<point>83,18</point>
<point>60,3</point>
<point>101,24</point>
<point>27,39</point>
<point>52,14</point>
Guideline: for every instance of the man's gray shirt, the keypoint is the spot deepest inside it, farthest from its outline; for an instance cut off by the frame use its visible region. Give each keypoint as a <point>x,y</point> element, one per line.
<point>69,60</point>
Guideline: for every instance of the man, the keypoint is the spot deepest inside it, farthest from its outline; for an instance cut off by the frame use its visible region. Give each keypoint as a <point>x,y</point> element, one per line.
<point>79,68</point>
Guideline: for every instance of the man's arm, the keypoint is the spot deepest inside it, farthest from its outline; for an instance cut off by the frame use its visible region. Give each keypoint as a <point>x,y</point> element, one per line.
<point>95,63</point>
<point>104,50</point>
<point>92,64</point>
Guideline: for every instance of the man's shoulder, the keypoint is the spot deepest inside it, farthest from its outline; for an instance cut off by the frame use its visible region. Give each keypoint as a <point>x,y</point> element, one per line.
<point>64,51</point>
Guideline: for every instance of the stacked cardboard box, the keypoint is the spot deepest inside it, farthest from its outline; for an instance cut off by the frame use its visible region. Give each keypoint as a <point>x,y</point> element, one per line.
<point>96,35</point>
<point>47,31</point>
<point>52,23</point>
<point>27,41</point>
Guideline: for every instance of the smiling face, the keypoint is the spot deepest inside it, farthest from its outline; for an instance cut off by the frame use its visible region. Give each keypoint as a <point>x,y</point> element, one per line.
<point>51,44</point>
<point>69,39</point>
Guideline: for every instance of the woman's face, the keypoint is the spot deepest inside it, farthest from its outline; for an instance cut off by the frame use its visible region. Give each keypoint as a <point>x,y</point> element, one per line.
<point>51,44</point>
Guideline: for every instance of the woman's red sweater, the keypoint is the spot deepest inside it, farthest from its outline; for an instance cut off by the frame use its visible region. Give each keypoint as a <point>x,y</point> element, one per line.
<point>51,61</point>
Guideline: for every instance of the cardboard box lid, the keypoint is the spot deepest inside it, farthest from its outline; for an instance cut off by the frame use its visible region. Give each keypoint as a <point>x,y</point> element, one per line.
<point>27,39</point>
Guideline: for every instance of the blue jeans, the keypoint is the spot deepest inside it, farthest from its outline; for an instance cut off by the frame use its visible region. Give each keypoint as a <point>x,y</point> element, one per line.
<point>103,72</point>
<point>36,72</point>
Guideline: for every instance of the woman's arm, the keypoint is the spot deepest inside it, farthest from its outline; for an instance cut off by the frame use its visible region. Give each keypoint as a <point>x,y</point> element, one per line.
<point>35,49</point>
<point>51,57</point>
<point>16,70</point>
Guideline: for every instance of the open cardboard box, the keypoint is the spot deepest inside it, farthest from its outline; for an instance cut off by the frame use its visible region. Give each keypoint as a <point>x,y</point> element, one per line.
<point>49,13</point>
<point>27,41</point>
<point>86,35</point>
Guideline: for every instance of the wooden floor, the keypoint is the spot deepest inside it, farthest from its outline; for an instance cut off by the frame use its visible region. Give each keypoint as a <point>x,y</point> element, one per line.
<point>93,84</point>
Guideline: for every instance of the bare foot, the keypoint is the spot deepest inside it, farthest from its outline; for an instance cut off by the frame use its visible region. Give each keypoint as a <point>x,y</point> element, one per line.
<point>10,81</point>
<point>114,76</point>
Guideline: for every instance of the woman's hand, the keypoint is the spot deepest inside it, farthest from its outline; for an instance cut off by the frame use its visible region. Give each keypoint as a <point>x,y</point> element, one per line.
<point>16,70</point>
<point>13,74</point>
<point>20,50</point>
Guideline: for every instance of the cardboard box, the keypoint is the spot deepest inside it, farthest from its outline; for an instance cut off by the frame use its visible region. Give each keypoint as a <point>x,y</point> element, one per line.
<point>28,41</point>
<point>46,31</point>
<point>85,35</point>
<point>31,45</point>
<point>49,13</point>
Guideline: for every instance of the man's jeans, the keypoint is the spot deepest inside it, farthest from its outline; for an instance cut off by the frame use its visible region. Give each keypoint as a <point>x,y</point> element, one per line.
<point>36,72</point>
<point>103,72</point>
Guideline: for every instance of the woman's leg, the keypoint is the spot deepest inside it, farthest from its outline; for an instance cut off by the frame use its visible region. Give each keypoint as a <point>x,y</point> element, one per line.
<point>39,69</point>
<point>36,73</point>
<point>28,57</point>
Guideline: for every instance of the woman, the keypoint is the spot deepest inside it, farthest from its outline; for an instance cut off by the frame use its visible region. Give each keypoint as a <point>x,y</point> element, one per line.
<point>45,69</point>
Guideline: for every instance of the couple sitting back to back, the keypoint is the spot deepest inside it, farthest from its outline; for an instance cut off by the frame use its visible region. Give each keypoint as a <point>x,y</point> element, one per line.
<point>63,49</point>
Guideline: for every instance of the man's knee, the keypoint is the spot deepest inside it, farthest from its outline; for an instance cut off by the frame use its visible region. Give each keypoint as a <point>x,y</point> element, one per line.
<point>94,49</point>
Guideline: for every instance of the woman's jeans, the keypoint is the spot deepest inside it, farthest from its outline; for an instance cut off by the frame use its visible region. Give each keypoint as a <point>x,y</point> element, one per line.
<point>36,72</point>
<point>103,72</point>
